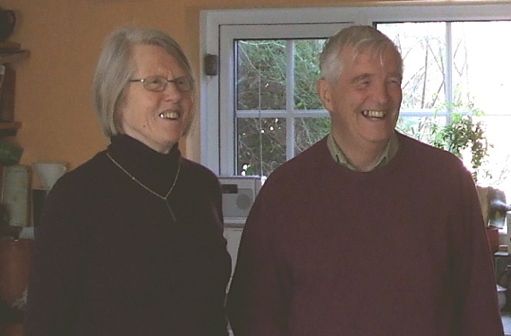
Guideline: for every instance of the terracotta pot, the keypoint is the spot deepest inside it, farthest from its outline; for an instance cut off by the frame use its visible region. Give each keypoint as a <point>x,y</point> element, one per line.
<point>15,262</point>
<point>11,329</point>
<point>493,239</point>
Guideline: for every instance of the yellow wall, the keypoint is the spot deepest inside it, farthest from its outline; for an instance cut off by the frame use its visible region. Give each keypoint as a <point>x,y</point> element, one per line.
<point>53,92</point>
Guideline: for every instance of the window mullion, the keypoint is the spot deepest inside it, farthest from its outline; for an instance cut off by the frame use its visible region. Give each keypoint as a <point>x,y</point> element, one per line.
<point>290,105</point>
<point>449,61</point>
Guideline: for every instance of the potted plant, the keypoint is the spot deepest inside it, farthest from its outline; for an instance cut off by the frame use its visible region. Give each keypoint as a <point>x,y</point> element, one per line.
<point>465,136</point>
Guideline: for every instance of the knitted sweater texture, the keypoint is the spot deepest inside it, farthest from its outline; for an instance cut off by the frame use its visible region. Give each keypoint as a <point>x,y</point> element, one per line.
<point>400,250</point>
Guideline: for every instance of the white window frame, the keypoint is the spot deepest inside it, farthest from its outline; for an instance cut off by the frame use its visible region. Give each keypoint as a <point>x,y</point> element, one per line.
<point>231,33</point>
<point>216,148</point>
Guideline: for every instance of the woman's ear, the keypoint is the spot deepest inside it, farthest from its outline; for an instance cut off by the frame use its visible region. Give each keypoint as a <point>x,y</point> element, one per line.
<point>325,93</point>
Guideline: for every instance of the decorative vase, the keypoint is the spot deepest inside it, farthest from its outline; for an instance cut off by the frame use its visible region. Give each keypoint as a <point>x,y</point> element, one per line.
<point>15,262</point>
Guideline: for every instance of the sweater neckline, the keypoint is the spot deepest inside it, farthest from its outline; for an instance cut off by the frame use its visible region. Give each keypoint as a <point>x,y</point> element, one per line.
<point>375,173</point>
<point>156,170</point>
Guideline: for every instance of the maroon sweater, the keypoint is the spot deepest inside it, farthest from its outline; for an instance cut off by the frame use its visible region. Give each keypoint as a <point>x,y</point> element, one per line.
<point>400,250</point>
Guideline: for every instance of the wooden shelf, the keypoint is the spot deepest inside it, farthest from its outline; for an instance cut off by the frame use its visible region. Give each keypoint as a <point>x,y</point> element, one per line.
<point>9,128</point>
<point>14,125</point>
<point>12,56</point>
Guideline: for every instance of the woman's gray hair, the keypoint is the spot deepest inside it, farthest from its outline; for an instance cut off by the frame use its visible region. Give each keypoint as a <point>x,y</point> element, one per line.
<point>359,37</point>
<point>115,68</point>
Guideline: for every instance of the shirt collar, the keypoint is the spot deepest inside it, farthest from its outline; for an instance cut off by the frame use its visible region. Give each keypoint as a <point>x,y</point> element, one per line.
<point>388,153</point>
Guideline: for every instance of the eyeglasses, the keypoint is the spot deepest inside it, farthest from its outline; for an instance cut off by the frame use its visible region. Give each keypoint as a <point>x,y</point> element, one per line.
<point>160,83</point>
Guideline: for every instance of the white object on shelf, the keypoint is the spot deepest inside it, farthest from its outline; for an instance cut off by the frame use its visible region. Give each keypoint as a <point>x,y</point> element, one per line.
<point>238,195</point>
<point>49,172</point>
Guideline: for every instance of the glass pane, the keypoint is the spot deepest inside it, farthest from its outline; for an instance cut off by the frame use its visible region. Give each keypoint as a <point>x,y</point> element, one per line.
<point>261,145</point>
<point>262,84</point>
<point>420,128</point>
<point>422,46</point>
<point>308,131</point>
<point>481,67</point>
<point>261,75</point>
<point>499,164</point>
<point>307,73</point>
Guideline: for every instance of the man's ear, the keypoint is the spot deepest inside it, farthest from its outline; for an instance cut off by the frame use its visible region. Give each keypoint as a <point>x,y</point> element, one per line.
<point>325,93</point>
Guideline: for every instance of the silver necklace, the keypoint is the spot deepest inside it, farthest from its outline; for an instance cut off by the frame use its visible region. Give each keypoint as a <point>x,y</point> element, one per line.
<point>134,179</point>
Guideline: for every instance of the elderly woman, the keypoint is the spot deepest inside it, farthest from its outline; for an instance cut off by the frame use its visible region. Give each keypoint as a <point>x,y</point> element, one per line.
<point>130,242</point>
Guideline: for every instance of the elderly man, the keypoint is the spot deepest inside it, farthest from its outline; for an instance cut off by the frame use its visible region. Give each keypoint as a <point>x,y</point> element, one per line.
<point>368,232</point>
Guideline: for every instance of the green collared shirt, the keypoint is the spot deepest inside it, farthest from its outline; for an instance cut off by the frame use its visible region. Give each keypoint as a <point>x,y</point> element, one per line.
<point>388,153</point>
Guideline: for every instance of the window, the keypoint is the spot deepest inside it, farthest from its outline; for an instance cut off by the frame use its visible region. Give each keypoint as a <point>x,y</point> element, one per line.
<point>260,111</point>
<point>267,94</point>
<point>274,103</point>
<point>457,66</point>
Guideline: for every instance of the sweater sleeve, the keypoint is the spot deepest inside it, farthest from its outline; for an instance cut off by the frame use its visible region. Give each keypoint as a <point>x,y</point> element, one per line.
<point>479,313</point>
<point>56,268</point>
<point>257,303</point>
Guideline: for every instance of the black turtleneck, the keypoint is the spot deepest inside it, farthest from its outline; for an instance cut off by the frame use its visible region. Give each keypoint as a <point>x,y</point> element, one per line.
<point>153,169</point>
<point>110,258</point>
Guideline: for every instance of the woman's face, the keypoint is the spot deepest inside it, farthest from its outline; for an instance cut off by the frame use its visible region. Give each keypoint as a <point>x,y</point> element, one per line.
<point>145,114</point>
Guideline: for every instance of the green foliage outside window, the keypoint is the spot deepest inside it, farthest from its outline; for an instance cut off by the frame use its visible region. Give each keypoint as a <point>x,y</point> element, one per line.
<point>262,81</point>
<point>464,136</point>
<point>262,74</point>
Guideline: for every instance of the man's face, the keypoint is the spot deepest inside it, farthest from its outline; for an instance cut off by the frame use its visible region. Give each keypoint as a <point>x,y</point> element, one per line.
<point>364,103</point>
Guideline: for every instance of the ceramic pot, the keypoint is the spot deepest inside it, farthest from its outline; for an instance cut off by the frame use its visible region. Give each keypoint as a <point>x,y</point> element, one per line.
<point>15,262</point>
<point>493,239</point>
<point>11,329</point>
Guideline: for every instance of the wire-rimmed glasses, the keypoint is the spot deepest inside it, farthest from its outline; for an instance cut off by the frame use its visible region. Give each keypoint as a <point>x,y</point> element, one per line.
<point>160,83</point>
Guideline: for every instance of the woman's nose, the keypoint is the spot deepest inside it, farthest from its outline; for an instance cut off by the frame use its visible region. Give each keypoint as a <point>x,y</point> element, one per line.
<point>171,92</point>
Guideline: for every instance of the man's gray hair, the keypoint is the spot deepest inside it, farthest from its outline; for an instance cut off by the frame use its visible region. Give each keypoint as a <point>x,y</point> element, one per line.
<point>361,38</point>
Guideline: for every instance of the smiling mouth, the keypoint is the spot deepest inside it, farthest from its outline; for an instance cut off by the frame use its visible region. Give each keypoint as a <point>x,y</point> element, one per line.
<point>374,114</point>
<point>170,115</point>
